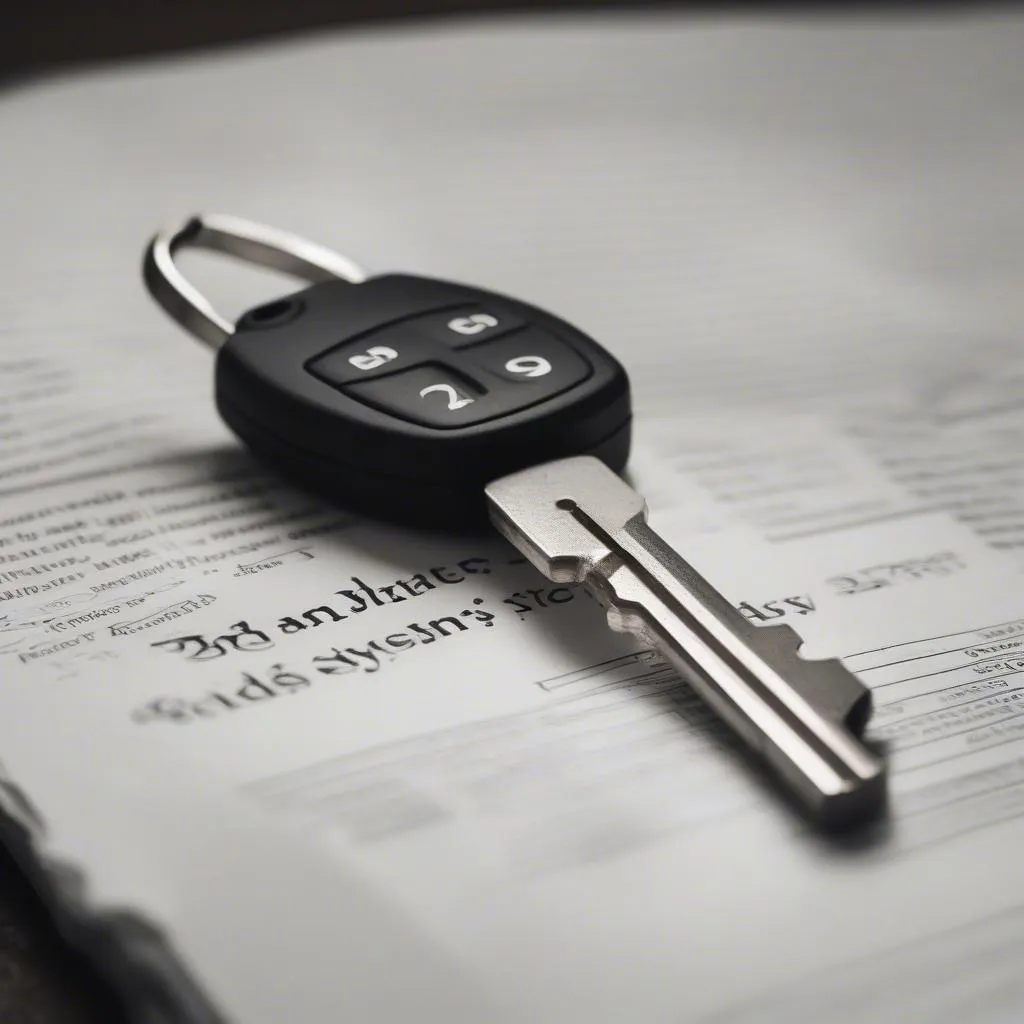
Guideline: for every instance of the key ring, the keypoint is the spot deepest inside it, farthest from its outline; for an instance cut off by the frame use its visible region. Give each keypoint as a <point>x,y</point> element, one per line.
<point>245,240</point>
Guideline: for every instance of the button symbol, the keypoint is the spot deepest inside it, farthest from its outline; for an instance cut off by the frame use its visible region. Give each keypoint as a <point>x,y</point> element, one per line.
<point>373,357</point>
<point>455,400</point>
<point>529,366</point>
<point>472,324</point>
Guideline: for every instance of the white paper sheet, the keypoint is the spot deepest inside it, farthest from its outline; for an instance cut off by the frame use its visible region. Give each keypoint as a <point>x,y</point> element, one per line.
<point>497,776</point>
<point>476,803</point>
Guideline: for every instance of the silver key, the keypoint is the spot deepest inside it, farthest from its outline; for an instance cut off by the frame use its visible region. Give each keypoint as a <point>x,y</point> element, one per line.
<point>577,521</point>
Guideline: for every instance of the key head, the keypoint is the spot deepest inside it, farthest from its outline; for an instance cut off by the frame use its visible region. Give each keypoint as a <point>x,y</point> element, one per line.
<point>402,397</point>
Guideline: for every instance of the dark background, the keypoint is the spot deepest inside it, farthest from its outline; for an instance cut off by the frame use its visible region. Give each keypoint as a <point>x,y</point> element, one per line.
<point>43,33</point>
<point>48,32</point>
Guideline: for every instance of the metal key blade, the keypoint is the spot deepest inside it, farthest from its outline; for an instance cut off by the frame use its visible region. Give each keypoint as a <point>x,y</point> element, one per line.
<point>577,521</point>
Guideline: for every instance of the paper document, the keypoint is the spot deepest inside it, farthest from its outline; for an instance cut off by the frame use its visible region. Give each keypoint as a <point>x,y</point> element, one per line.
<point>270,762</point>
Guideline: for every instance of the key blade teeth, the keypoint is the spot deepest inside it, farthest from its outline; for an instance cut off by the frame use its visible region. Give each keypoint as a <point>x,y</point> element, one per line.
<point>804,716</point>
<point>825,683</point>
<point>834,691</point>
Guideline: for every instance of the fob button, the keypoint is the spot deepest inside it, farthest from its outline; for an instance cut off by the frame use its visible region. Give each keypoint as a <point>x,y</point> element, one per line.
<point>432,395</point>
<point>538,361</point>
<point>372,355</point>
<point>468,325</point>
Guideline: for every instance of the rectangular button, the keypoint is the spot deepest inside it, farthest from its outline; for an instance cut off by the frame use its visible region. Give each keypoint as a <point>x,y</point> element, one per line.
<point>432,395</point>
<point>373,355</point>
<point>541,364</point>
<point>466,326</point>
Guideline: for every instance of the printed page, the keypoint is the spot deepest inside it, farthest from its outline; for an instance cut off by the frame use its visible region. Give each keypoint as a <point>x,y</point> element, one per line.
<point>529,815</point>
<point>874,458</point>
<point>529,793</point>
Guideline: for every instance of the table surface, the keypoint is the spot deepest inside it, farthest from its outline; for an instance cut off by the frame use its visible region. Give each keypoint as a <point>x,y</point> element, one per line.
<point>41,980</point>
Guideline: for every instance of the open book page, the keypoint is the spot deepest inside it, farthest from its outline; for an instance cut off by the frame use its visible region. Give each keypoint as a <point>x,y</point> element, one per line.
<point>455,760</point>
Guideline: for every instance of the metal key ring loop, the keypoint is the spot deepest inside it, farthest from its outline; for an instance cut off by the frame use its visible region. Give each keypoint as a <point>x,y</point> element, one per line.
<point>245,240</point>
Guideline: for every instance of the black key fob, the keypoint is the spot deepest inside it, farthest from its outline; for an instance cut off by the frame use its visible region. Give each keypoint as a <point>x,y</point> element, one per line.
<point>397,397</point>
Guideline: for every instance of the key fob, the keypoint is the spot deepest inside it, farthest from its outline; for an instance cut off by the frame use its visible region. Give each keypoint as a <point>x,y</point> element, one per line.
<point>402,397</point>
<point>397,397</point>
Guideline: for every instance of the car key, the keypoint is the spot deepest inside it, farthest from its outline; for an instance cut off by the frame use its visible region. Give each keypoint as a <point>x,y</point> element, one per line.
<point>438,404</point>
